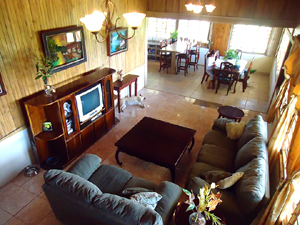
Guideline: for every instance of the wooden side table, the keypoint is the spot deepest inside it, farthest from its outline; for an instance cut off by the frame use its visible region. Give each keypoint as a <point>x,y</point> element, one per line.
<point>231,112</point>
<point>120,85</point>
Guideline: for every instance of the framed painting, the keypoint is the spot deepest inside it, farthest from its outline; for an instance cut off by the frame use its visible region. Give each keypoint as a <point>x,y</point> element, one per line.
<point>2,88</point>
<point>65,46</point>
<point>116,44</point>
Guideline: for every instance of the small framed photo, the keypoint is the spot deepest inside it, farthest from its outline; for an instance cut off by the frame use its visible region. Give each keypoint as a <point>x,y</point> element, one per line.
<point>47,126</point>
<point>116,44</point>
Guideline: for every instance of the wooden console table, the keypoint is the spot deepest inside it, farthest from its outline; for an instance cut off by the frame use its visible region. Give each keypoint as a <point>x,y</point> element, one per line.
<point>120,85</point>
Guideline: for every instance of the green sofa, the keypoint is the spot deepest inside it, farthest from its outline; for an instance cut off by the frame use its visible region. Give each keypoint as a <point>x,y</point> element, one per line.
<point>243,201</point>
<point>90,193</point>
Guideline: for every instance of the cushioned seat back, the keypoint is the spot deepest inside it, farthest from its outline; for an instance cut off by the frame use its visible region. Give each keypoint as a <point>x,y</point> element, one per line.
<point>110,179</point>
<point>254,128</point>
<point>255,148</point>
<point>251,188</point>
<point>86,166</point>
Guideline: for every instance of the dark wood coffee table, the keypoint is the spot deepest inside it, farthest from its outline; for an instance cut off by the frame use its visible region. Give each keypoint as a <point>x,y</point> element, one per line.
<point>231,112</point>
<point>156,141</point>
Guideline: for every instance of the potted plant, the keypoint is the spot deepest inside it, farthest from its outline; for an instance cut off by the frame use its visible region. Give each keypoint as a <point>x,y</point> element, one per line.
<point>231,54</point>
<point>44,67</point>
<point>174,36</point>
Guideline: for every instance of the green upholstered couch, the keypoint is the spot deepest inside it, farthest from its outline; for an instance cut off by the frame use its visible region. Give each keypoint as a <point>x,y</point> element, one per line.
<point>90,193</point>
<point>243,201</point>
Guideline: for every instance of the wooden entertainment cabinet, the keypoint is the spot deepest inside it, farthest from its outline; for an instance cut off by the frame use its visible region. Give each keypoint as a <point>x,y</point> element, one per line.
<point>57,148</point>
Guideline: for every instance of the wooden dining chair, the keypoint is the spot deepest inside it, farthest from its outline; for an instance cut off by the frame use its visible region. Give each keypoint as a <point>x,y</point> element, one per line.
<point>239,53</point>
<point>244,77</point>
<point>183,60</point>
<point>205,74</point>
<point>224,75</point>
<point>164,57</point>
<point>194,57</point>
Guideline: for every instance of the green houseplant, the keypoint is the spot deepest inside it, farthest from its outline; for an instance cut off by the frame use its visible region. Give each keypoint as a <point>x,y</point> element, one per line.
<point>231,54</point>
<point>174,35</point>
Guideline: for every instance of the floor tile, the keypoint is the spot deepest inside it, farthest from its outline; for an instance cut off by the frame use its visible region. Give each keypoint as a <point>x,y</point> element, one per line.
<point>16,201</point>
<point>35,184</point>
<point>4,217</point>
<point>50,219</point>
<point>15,221</point>
<point>7,189</point>
<point>30,215</point>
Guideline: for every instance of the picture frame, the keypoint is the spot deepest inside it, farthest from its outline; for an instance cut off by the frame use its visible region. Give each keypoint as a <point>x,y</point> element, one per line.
<point>47,126</point>
<point>66,46</point>
<point>2,88</point>
<point>116,44</point>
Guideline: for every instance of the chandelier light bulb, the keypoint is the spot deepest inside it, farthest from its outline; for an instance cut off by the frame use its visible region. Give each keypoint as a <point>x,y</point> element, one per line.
<point>134,19</point>
<point>189,7</point>
<point>94,21</point>
<point>210,7</point>
<point>197,8</point>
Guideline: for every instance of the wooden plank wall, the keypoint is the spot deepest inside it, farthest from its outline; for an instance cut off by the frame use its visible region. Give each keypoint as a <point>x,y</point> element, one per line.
<point>260,9</point>
<point>20,23</point>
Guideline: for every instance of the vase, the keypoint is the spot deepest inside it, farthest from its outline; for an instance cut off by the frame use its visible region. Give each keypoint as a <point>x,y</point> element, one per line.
<point>48,90</point>
<point>197,218</point>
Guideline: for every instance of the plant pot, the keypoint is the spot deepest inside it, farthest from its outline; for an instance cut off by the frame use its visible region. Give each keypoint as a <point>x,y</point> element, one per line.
<point>197,218</point>
<point>174,40</point>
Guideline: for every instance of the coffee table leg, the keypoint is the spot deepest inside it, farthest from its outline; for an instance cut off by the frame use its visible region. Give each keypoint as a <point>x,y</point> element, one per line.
<point>192,144</point>
<point>172,169</point>
<point>117,157</point>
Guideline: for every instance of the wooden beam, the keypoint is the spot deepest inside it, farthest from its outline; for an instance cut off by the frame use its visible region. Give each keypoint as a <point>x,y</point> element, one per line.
<point>223,19</point>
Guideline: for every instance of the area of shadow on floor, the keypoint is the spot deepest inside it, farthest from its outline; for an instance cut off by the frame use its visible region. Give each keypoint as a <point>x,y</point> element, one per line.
<point>207,104</point>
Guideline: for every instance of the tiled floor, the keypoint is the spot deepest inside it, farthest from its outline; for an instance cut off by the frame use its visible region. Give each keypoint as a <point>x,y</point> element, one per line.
<point>255,97</point>
<point>22,200</point>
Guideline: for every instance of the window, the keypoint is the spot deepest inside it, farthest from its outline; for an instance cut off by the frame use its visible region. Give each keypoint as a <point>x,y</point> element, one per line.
<point>159,29</point>
<point>250,38</point>
<point>194,30</point>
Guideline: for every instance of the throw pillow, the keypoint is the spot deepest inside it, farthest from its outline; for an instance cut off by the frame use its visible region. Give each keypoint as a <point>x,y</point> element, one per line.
<point>214,176</point>
<point>235,130</point>
<point>134,190</point>
<point>147,199</point>
<point>229,181</point>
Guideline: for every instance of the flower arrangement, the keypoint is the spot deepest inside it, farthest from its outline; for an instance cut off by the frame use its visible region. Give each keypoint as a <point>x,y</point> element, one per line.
<point>231,54</point>
<point>208,201</point>
<point>44,68</point>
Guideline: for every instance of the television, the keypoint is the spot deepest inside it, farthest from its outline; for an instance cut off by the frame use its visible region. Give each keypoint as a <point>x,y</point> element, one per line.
<point>89,102</point>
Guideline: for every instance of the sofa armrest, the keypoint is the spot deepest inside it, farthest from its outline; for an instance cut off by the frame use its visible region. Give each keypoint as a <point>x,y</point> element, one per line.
<point>170,193</point>
<point>220,124</point>
<point>86,166</point>
<point>113,209</point>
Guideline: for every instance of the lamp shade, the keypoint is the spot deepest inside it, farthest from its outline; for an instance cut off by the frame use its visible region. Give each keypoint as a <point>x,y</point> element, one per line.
<point>210,7</point>
<point>93,22</point>
<point>197,8</point>
<point>189,6</point>
<point>134,19</point>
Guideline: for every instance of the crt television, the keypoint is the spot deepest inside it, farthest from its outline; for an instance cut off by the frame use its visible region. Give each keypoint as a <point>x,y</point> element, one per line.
<point>89,102</point>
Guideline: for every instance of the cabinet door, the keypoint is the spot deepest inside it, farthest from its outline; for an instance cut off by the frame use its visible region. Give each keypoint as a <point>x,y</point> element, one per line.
<point>74,147</point>
<point>108,93</point>
<point>110,119</point>
<point>88,136</point>
<point>100,127</point>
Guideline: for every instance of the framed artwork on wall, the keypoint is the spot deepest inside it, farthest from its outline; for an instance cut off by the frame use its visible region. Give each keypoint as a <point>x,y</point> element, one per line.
<point>2,88</point>
<point>116,44</point>
<point>66,46</point>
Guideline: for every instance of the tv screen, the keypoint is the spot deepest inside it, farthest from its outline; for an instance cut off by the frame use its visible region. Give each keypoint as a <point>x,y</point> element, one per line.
<point>89,102</point>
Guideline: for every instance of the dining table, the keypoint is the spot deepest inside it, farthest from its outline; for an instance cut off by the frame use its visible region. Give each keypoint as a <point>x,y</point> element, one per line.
<point>176,48</point>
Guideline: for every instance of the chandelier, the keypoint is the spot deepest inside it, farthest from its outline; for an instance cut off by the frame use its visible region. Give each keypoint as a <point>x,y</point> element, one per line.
<point>100,23</point>
<point>196,6</point>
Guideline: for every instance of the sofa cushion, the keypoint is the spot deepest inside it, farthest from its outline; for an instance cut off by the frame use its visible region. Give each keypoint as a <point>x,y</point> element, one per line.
<point>141,183</point>
<point>72,184</point>
<point>86,166</point>
<point>219,138</point>
<point>120,210</point>
<point>134,190</point>
<point>217,156</point>
<point>220,124</point>
<point>235,130</point>
<point>250,189</point>
<point>252,149</point>
<point>229,181</point>
<point>214,176</point>
<point>254,128</point>
<point>110,179</point>
<point>198,169</point>
<point>147,199</point>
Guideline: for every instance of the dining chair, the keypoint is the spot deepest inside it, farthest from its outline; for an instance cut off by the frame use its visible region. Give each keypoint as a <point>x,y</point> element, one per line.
<point>224,75</point>
<point>244,76</point>
<point>164,57</point>
<point>183,60</point>
<point>239,53</point>
<point>205,74</point>
<point>194,57</point>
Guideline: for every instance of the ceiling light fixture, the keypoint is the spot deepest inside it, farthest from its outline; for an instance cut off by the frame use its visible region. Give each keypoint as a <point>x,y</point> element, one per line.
<point>196,6</point>
<point>98,21</point>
